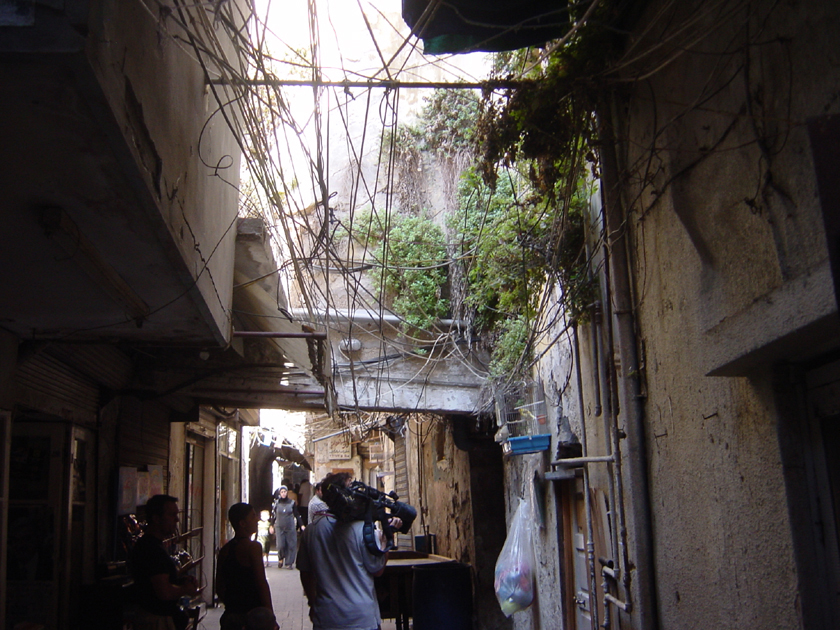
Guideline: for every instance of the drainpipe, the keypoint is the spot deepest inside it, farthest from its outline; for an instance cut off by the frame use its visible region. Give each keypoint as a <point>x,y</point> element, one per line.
<point>632,404</point>
<point>587,500</point>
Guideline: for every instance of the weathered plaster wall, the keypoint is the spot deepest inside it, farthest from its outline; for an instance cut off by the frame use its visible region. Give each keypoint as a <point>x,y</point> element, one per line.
<point>525,479</point>
<point>729,214</point>
<point>520,472</point>
<point>458,488</point>
<point>161,107</point>
<point>444,483</point>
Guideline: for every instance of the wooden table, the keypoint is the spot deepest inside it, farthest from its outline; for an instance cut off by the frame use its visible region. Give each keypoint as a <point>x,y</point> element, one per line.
<point>394,587</point>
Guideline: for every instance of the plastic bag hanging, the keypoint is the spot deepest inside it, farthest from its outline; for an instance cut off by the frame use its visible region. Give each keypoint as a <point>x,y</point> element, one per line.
<point>514,582</point>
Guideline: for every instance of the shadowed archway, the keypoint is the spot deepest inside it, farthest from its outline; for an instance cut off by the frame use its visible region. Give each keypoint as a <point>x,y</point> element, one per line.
<point>261,484</point>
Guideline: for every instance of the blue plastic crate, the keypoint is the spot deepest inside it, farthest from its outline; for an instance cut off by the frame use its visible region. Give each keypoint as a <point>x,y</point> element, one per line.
<point>526,444</point>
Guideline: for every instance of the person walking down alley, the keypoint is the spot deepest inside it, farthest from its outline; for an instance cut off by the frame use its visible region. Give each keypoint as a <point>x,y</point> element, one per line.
<point>304,496</point>
<point>286,523</point>
<point>240,573</point>
<point>157,587</point>
<point>317,507</point>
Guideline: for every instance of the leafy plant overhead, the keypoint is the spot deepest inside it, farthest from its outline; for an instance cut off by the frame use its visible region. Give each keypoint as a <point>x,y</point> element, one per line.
<point>519,227</point>
<point>512,348</point>
<point>514,241</point>
<point>523,208</point>
<point>515,244</point>
<point>448,121</point>
<point>413,269</point>
<point>444,127</point>
<point>546,118</point>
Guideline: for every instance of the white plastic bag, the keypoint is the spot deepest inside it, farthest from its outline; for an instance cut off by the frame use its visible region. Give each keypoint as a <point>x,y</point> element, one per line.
<point>514,583</point>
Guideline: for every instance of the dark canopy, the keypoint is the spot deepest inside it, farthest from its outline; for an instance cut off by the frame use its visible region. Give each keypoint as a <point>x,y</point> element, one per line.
<point>461,26</point>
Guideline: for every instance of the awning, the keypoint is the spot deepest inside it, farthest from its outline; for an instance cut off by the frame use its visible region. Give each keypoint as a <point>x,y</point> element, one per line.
<point>462,26</point>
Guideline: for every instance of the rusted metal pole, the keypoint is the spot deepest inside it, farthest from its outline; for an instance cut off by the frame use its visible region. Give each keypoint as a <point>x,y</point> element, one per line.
<point>386,84</point>
<point>280,335</point>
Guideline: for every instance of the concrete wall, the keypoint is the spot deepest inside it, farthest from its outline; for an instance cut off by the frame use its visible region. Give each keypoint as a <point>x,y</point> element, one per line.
<point>156,90</point>
<point>726,233</point>
<point>728,263</point>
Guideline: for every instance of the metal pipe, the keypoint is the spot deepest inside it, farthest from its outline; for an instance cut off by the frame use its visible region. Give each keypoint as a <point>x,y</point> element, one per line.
<point>280,335</point>
<point>596,377</point>
<point>613,409</point>
<point>608,574</point>
<point>631,391</point>
<point>625,606</point>
<point>605,586</point>
<point>249,390</point>
<point>590,538</point>
<point>613,471</point>
<point>386,84</point>
<point>363,316</point>
<point>573,462</point>
<point>325,437</point>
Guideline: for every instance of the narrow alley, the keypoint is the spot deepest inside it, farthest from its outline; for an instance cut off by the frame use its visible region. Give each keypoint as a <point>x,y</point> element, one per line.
<point>559,278</point>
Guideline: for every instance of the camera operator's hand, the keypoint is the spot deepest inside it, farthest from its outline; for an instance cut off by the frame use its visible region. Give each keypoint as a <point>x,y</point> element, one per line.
<point>395,522</point>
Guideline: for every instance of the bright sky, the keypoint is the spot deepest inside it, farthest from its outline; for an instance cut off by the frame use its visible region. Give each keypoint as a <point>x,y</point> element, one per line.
<point>348,50</point>
<point>345,40</point>
<point>285,424</point>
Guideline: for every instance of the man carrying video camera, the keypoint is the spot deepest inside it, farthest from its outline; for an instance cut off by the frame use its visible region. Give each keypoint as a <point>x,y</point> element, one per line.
<point>342,552</point>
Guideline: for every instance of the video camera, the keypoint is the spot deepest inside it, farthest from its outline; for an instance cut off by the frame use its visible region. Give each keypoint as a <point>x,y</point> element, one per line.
<point>359,502</point>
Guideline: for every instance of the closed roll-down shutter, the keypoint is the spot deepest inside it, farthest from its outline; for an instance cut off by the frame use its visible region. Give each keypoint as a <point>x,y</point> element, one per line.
<point>45,384</point>
<point>143,435</point>
<point>405,541</point>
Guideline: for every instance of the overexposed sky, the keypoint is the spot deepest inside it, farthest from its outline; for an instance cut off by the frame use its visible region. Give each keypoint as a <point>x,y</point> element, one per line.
<point>352,48</point>
<point>285,424</point>
<point>349,50</point>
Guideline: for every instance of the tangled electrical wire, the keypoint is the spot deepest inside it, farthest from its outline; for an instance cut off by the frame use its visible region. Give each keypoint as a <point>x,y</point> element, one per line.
<point>293,163</point>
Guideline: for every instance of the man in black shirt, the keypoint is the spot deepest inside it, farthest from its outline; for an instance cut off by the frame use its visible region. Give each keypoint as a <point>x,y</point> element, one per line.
<point>157,587</point>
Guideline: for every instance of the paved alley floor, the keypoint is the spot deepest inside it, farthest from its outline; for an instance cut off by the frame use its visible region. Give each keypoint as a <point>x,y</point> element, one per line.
<point>289,603</point>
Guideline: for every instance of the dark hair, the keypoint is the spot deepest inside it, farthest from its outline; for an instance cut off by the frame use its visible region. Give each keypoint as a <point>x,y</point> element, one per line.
<point>239,511</point>
<point>336,479</point>
<point>156,505</point>
<point>343,504</point>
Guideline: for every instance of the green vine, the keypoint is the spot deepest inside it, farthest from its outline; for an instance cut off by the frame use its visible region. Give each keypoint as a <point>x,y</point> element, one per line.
<point>523,209</point>
<point>514,243</point>
<point>512,349</point>
<point>414,269</point>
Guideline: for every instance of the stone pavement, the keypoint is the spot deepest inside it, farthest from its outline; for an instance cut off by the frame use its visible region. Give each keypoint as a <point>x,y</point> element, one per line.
<point>289,603</point>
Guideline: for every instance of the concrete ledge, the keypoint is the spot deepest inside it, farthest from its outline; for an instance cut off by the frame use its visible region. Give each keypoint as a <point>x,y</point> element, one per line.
<point>785,325</point>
